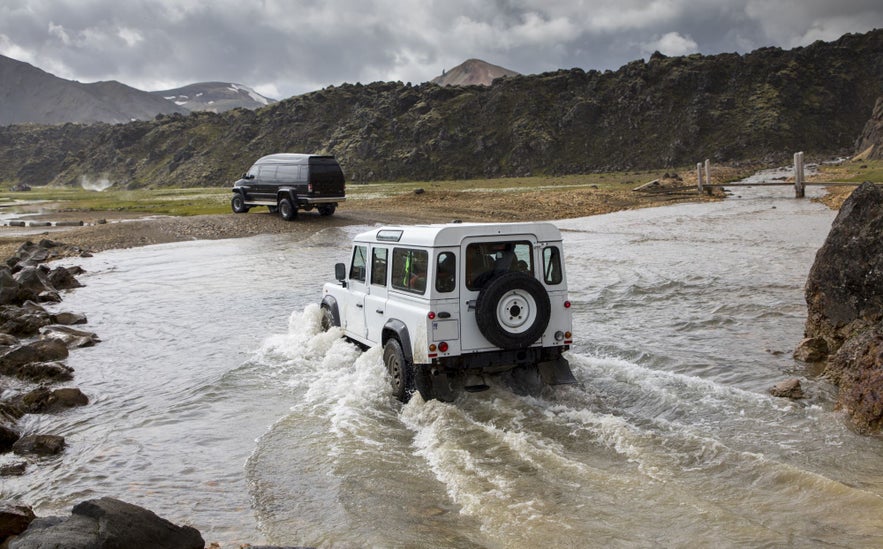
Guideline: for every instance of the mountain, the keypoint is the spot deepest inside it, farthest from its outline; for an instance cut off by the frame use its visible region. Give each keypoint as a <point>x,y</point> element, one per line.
<point>215,97</point>
<point>472,72</point>
<point>870,143</point>
<point>663,112</point>
<point>30,95</point>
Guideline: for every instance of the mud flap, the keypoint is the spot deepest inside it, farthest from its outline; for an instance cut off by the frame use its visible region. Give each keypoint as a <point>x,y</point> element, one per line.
<point>436,387</point>
<point>556,372</point>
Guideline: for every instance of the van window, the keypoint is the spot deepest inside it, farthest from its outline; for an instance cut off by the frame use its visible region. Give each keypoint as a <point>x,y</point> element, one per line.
<point>446,272</point>
<point>409,269</point>
<point>552,273</point>
<point>267,173</point>
<point>487,260</point>
<point>357,268</point>
<point>378,266</point>
<point>288,173</point>
<point>325,170</point>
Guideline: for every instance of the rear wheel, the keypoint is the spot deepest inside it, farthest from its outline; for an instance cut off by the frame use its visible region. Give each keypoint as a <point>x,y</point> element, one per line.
<point>238,204</point>
<point>287,209</point>
<point>401,371</point>
<point>326,209</point>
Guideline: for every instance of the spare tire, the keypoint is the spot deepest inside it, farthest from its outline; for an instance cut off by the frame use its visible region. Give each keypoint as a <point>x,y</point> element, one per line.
<point>513,310</point>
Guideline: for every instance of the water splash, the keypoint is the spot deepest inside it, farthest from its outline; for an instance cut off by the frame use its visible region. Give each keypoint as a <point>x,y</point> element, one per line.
<point>98,184</point>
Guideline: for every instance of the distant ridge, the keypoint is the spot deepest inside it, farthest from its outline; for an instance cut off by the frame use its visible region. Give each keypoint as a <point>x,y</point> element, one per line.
<point>472,72</point>
<point>215,97</point>
<point>31,95</point>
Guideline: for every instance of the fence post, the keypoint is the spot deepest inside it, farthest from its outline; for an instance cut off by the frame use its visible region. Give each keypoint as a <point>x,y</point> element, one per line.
<point>708,191</point>
<point>799,189</point>
<point>699,176</point>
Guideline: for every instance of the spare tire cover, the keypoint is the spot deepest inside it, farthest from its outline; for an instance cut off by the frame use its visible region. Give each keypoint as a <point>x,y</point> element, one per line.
<point>513,310</point>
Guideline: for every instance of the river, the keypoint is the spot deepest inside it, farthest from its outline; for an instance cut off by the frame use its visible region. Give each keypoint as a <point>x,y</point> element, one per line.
<point>217,402</point>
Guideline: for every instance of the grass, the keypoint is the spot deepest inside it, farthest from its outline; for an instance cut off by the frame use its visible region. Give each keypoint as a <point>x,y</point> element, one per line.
<point>216,200</point>
<point>857,171</point>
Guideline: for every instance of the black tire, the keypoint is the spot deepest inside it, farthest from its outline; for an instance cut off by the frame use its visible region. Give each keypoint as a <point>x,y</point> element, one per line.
<point>513,310</point>
<point>326,209</point>
<point>327,319</point>
<point>401,371</point>
<point>238,204</point>
<point>287,210</point>
<point>273,209</point>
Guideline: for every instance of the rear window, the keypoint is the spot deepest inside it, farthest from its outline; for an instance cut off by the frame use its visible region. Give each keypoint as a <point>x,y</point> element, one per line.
<point>487,260</point>
<point>325,170</point>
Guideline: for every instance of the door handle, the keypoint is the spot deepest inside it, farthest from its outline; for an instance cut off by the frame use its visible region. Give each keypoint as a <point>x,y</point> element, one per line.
<point>379,311</point>
<point>359,305</point>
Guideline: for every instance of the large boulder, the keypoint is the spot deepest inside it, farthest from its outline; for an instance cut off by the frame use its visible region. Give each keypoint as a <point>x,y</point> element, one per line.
<point>42,400</point>
<point>14,519</point>
<point>107,523</point>
<point>70,336</point>
<point>844,290</point>
<point>844,296</point>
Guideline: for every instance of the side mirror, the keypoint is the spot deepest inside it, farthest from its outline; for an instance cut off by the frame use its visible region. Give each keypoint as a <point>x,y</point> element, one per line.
<point>340,272</point>
<point>248,176</point>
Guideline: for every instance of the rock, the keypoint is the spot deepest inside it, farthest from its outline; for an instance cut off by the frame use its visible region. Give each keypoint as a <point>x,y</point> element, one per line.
<point>16,469</point>
<point>39,445</point>
<point>48,296</point>
<point>844,296</point>
<point>33,279</point>
<point>811,349</point>
<point>7,340</point>
<point>42,400</point>
<point>790,388</point>
<point>844,290</point>
<point>108,523</point>
<point>44,350</point>
<point>14,519</point>
<point>68,319</point>
<point>71,337</point>
<point>9,288</point>
<point>857,368</point>
<point>40,372</point>
<point>8,437</point>
<point>62,279</point>
<point>24,321</point>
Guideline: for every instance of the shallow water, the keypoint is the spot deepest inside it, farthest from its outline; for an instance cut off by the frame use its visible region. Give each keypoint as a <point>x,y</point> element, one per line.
<point>217,401</point>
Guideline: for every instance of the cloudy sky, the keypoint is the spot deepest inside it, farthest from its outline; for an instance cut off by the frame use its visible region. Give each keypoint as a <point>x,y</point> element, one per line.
<point>288,47</point>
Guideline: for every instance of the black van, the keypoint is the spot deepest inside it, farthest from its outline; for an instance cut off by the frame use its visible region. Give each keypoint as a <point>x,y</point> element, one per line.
<point>289,182</point>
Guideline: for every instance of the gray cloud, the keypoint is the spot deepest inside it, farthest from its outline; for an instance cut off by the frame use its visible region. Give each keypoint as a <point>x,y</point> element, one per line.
<point>285,48</point>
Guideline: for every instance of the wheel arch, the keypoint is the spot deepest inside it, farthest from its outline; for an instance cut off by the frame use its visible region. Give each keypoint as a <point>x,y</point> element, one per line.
<point>330,303</point>
<point>395,328</point>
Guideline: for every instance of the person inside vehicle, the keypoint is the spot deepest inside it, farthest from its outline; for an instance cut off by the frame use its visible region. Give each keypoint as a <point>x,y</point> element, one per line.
<point>417,281</point>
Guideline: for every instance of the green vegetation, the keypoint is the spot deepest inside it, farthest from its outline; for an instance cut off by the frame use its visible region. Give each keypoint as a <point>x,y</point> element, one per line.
<point>179,202</point>
<point>857,171</point>
<point>201,201</point>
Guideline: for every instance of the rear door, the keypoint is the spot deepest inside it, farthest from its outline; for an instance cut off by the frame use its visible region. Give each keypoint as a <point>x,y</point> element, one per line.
<point>484,259</point>
<point>325,178</point>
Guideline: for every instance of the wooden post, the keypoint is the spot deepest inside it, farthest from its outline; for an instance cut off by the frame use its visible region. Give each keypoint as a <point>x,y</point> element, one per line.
<point>799,189</point>
<point>699,176</point>
<point>708,176</point>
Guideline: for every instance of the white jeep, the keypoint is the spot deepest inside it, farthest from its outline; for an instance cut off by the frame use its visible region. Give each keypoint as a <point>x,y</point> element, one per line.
<point>452,303</point>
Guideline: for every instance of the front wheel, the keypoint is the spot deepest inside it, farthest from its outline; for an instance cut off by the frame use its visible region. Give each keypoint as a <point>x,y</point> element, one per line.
<point>327,319</point>
<point>287,209</point>
<point>401,372</point>
<point>238,204</point>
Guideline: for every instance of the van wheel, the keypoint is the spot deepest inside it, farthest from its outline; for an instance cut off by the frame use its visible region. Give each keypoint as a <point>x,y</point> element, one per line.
<point>513,310</point>
<point>401,372</point>
<point>287,210</point>
<point>326,209</point>
<point>238,204</point>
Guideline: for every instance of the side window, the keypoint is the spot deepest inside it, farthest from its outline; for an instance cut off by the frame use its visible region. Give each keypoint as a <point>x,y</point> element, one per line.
<point>357,267</point>
<point>446,272</point>
<point>378,266</point>
<point>267,173</point>
<point>409,269</point>
<point>552,265</point>
<point>252,172</point>
<point>287,173</point>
